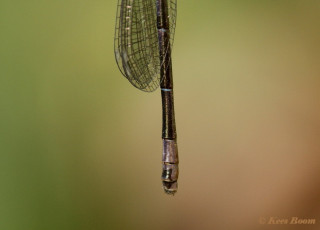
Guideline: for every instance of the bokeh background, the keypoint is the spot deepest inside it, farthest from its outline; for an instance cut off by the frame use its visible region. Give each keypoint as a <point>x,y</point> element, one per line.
<point>81,149</point>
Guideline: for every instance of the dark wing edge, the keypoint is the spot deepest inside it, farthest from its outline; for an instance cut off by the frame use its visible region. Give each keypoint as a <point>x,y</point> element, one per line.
<point>172,15</point>
<point>172,20</point>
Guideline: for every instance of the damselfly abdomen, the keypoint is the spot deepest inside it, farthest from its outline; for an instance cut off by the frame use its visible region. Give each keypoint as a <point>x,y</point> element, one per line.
<point>143,41</point>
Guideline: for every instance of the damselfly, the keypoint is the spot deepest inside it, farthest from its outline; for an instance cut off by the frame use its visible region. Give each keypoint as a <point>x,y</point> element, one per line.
<point>144,37</point>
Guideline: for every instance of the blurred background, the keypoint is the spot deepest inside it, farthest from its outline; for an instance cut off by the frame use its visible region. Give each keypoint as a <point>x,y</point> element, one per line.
<point>80,148</point>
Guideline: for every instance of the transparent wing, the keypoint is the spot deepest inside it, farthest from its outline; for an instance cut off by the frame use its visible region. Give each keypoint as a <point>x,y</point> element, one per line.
<point>172,10</point>
<point>136,42</point>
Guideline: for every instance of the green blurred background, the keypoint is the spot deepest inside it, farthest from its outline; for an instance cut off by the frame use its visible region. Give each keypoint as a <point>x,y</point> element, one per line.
<point>80,148</point>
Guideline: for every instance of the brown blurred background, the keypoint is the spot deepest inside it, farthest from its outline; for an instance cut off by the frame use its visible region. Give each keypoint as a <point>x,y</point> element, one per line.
<point>80,148</point>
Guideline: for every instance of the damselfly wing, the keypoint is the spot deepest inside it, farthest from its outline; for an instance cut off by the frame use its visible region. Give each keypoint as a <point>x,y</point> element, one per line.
<point>136,41</point>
